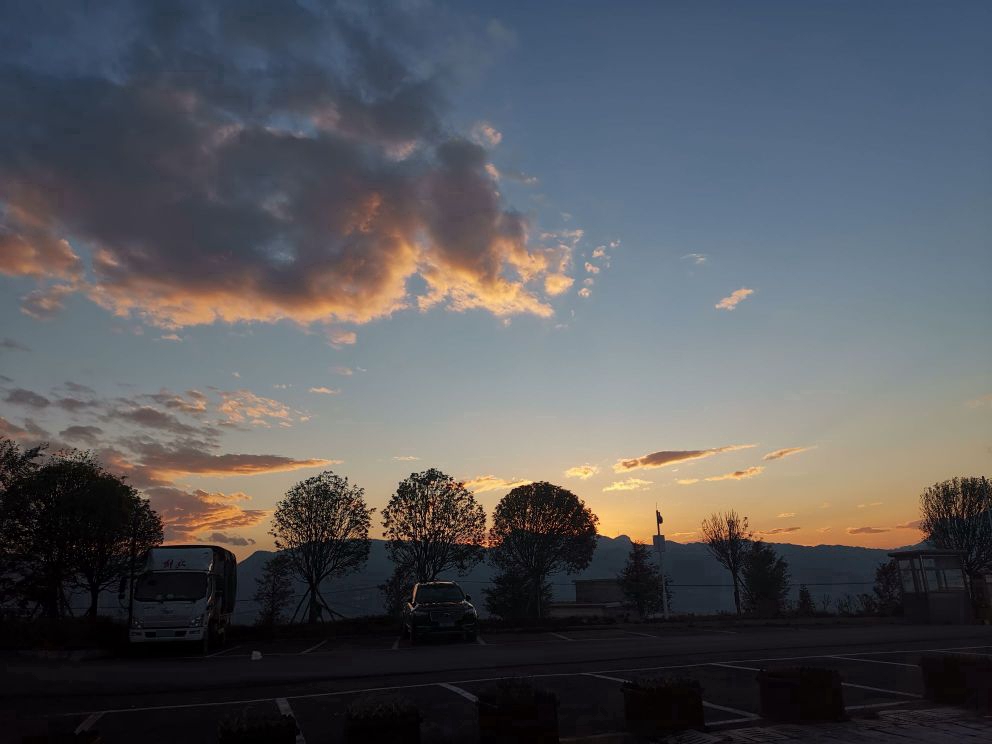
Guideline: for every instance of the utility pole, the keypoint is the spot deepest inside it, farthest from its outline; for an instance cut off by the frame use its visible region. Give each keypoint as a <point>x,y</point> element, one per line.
<point>659,546</point>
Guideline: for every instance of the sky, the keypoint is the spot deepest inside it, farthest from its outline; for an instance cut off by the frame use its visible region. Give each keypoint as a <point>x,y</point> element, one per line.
<point>693,255</point>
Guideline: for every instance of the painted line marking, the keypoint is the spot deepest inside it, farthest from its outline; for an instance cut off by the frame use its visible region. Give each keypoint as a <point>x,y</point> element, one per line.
<point>873,661</point>
<point>731,721</point>
<point>643,635</point>
<point>745,716</point>
<point>714,630</point>
<point>459,691</point>
<point>736,666</point>
<point>88,723</point>
<point>223,651</point>
<point>478,639</point>
<point>870,706</point>
<point>559,635</point>
<point>396,644</point>
<point>315,647</point>
<point>604,676</point>
<point>286,710</point>
<point>882,689</point>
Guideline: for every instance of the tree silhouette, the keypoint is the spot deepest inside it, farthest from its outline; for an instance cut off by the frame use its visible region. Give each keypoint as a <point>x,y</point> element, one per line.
<point>115,525</point>
<point>765,579</point>
<point>433,524</point>
<point>805,606</point>
<point>640,580</point>
<point>273,590</point>
<point>322,525</point>
<point>728,538</point>
<point>957,515</point>
<point>540,529</point>
<point>15,464</point>
<point>888,589</point>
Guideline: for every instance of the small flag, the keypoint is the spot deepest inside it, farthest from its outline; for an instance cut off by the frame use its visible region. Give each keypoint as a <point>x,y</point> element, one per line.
<point>658,515</point>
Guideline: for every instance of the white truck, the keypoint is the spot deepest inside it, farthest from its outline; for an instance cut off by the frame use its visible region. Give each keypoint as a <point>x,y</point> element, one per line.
<point>184,593</point>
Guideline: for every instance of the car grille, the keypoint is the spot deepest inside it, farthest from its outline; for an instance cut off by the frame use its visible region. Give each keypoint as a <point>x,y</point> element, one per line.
<point>444,617</point>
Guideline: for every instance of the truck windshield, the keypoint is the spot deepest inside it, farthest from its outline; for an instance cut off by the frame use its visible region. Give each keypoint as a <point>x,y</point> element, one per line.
<point>170,585</point>
<point>439,593</point>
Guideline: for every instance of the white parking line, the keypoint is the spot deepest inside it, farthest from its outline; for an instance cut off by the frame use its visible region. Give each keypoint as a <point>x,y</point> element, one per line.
<point>396,644</point>
<point>882,689</point>
<point>459,691</point>
<point>745,716</point>
<point>871,706</point>
<point>643,635</point>
<point>559,635</point>
<point>714,630</point>
<point>222,651</point>
<point>315,646</point>
<point>604,676</point>
<point>736,666</point>
<point>478,639</point>
<point>873,661</point>
<point>88,723</point>
<point>286,710</point>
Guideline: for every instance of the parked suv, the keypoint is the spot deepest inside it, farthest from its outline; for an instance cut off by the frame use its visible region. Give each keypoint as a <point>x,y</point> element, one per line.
<point>439,607</point>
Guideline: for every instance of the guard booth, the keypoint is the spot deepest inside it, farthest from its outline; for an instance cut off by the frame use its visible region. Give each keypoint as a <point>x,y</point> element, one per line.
<point>934,588</point>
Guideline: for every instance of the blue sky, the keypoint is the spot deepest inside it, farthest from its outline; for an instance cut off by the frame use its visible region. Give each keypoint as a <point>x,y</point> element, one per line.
<point>833,158</point>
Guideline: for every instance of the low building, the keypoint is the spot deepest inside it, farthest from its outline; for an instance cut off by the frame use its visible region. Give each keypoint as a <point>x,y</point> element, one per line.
<point>934,586</point>
<point>594,598</point>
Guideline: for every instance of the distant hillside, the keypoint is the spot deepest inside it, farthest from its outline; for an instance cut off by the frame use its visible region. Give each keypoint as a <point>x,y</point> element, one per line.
<point>701,585</point>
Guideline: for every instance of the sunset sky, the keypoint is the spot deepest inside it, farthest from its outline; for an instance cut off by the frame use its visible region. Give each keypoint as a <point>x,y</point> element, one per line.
<point>703,255</point>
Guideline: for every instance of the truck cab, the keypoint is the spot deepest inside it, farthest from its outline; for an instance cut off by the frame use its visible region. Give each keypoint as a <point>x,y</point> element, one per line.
<point>184,593</point>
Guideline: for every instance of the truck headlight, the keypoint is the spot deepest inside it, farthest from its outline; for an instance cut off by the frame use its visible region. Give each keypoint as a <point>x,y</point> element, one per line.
<point>196,621</point>
<point>135,623</point>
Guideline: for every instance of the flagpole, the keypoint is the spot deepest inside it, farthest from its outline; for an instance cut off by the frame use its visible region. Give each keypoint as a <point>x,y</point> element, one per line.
<point>659,546</point>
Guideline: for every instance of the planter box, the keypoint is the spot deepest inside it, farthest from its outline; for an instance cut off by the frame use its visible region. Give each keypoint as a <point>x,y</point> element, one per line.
<point>517,713</point>
<point>653,709</point>
<point>958,679</point>
<point>387,721</point>
<point>269,730</point>
<point>801,694</point>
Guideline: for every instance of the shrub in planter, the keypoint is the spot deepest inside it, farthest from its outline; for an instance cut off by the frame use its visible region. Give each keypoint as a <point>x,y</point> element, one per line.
<point>660,705</point>
<point>515,711</point>
<point>958,679</point>
<point>801,694</point>
<point>245,728</point>
<point>382,719</point>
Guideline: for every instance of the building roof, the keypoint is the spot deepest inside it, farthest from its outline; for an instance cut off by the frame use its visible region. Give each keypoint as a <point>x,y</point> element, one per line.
<point>918,553</point>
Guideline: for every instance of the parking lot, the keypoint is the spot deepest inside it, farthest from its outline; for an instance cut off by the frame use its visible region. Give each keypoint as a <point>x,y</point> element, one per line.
<point>585,668</point>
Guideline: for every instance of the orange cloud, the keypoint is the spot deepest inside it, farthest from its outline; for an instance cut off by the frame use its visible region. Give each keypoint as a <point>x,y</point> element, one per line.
<point>185,513</point>
<point>584,472</point>
<point>671,457</point>
<point>734,299</point>
<point>687,481</point>
<point>323,390</point>
<point>911,525</point>
<point>866,530</point>
<point>630,484</point>
<point>750,472</point>
<point>780,453</point>
<point>484,483</point>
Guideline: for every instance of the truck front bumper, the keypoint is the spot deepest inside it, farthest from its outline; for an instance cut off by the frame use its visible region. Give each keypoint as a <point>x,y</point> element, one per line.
<point>158,635</point>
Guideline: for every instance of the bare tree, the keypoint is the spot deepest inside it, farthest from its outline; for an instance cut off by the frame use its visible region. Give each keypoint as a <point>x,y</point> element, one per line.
<point>433,524</point>
<point>957,515</point>
<point>322,525</point>
<point>540,529</point>
<point>729,540</point>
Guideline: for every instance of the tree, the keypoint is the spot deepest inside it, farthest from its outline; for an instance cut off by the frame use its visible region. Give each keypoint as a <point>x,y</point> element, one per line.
<point>765,580</point>
<point>44,513</point>
<point>273,590</point>
<point>115,525</point>
<point>434,524</point>
<point>728,538</point>
<point>15,464</point>
<point>957,515</point>
<point>640,580</point>
<point>805,606</point>
<point>322,525</point>
<point>511,598</point>
<point>888,590</point>
<point>397,589</point>
<point>540,529</point>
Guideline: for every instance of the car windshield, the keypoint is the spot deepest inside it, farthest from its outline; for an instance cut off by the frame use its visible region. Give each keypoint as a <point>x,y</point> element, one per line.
<point>439,593</point>
<point>176,585</point>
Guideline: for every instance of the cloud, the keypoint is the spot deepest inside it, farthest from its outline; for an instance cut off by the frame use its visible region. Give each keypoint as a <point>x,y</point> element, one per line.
<point>492,483</point>
<point>220,537</point>
<point>556,284</point>
<point>185,513</point>
<point>629,484</point>
<point>911,525</point>
<point>87,434</point>
<point>164,462</point>
<point>599,252</point>
<point>583,472</point>
<point>405,458</point>
<point>591,268</point>
<point>983,401</point>
<point>683,534</point>
<point>192,401</point>
<point>780,453</point>
<point>152,418</point>
<point>22,397</point>
<point>245,407</point>
<point>697,258</point>
<point>9,344</point>
<point>324,390</point>
<point>687,481</point>
<point>584,292</point>
<point>824,529</point>
<point>734,299</point>
<point>785,515</point>
<point>10,430</point>
<point>343,371</point>
<point>338,338</point>
<point>866,530</point>
<point>739,474</point>
<point>671,457</point>
<point>780,530</point>
<point>171,337</point>
<point>74,405</point>
<point>485,134</point>
<point>873,503</point>
<point>251,166</point>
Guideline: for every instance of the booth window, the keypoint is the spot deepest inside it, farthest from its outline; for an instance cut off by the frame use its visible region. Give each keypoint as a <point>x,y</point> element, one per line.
<point>943,574</point>
<point>906,572</point>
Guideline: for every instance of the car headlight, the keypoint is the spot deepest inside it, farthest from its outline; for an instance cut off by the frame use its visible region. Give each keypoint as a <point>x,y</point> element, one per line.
<point>196,621</point>
<point>421,613</point>
<point>135,623</point>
